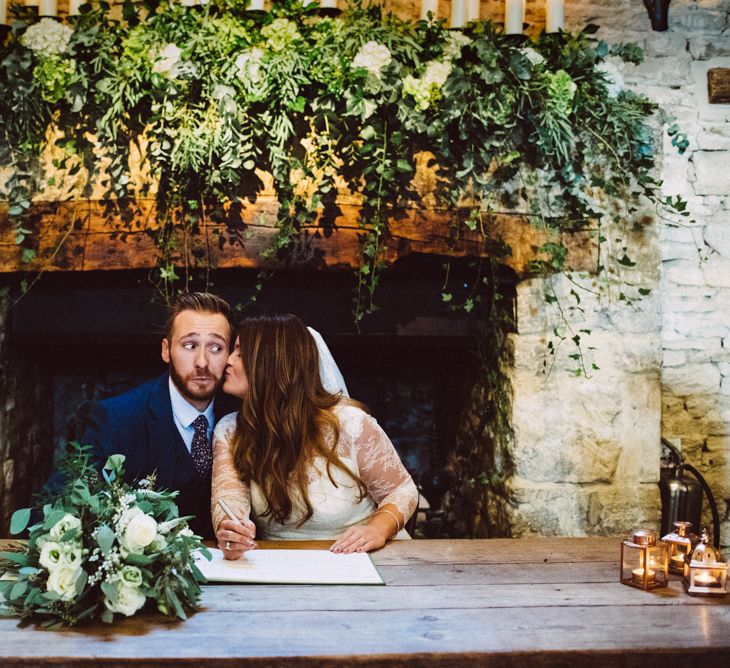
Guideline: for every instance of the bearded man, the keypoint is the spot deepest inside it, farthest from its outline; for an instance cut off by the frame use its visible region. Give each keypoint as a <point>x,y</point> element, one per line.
<point>165,426</point>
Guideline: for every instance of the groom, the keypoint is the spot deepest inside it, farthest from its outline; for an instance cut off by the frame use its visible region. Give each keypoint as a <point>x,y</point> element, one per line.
<point>165,426</point>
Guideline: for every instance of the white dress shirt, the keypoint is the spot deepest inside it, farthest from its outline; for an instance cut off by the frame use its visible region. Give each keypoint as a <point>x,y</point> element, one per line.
<point>185,413</point>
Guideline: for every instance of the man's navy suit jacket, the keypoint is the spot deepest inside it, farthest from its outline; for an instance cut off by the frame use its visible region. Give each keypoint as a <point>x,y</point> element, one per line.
<point>139,425</point>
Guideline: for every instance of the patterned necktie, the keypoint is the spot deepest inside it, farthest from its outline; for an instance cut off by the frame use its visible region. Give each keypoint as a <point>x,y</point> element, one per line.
<point>200,450</point>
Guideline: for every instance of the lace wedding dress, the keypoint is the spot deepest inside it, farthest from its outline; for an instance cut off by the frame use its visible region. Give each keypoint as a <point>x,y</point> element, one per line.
<point>363,447</point>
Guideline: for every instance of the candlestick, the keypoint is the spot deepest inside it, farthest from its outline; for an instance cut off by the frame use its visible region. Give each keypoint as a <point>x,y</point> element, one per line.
<point>554,15</point>
<point>325,4</point>
<point>255,6</point>
<point>74,7</point>
<point>472,10</point>
<point>31,3</point>
<point>48,8</point>
<point>458,13</point>
<point>429,6</point>
<point>3,12</point>
<point>514,17</point>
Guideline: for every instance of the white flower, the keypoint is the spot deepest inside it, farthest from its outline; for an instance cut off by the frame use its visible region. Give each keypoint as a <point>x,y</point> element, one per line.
<point>249,67</point>
<point>533,56</point>
<point>51,556</point>
<point>455,42</point>
<point>427,88</point>
<point>436,73</point>
<point>159,543</point>
<point>129,600</point>
<point>131,576</point>
<point>373,57</point>
<point>66,523</point>
<point>165,61</point>
<point>139,533</point>
<point>612,75</point>
<point>47,38</point>
<point>62,581</point>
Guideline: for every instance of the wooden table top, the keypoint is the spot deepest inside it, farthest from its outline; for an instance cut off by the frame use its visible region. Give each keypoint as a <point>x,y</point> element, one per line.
<point>520,602</point>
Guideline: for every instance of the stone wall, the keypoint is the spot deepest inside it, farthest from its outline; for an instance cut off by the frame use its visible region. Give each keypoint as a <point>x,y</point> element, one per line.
<point>587,450</point>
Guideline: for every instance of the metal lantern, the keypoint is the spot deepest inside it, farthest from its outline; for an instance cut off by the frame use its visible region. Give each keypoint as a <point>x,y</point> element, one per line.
<point>705,570</point>
<point>644,563</point>
<point>679,544</point>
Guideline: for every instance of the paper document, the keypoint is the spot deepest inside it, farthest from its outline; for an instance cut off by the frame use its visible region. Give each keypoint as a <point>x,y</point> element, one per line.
<point>291,567</point>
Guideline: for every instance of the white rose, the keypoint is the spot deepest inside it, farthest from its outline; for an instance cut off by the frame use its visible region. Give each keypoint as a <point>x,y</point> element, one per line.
<point>129,600</point>
<point>62,581</point>
<point>131,576</point>
<point>373,57</point>
<point>166,60</point>
<point>612,75</point>
<point>51,556</point>
<point>140,532</point>
<point>66,523</point>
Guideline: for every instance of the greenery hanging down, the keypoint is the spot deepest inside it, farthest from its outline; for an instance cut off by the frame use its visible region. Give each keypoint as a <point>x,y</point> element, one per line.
<point>214,96</point>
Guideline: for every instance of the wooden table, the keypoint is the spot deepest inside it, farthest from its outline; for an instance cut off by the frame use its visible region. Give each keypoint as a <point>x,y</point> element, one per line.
<point>527,602</point>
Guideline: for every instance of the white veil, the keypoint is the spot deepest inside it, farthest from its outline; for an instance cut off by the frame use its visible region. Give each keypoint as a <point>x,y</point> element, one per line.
<point>328,370</point>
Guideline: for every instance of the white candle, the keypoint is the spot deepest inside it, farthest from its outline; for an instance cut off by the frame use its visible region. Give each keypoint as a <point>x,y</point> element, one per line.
<point>472,11</point>
<point>328,4</point>
<point>31,3</point>
<point>48,8</point>
<point>554,15</point>
<point>705,579</point>
<point>256,5</point>
<point>429,6</point>
<point>458,13</point>
<point>73,7</point>
<point>514,17</point>
<point>3,12</point>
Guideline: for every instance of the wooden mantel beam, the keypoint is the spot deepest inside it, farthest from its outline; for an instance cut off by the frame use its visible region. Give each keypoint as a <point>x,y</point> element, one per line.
<point>84,236</point>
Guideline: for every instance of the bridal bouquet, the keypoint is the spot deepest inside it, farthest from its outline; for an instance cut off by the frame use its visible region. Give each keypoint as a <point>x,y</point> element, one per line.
<point>103,548</point>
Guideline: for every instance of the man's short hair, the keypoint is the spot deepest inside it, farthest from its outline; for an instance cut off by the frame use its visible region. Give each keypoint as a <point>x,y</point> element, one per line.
<point>203,302</point>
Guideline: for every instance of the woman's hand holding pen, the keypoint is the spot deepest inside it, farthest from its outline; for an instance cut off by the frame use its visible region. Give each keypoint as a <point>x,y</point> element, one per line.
<point>235,536</point>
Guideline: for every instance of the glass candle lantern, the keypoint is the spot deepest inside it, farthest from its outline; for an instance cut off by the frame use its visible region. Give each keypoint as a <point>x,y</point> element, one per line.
<point>644,562</point>
<point>679,544</point>
<point>705,570</point>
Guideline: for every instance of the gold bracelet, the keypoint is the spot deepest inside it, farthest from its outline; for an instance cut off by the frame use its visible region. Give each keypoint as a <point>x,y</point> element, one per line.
<point>393,515</point>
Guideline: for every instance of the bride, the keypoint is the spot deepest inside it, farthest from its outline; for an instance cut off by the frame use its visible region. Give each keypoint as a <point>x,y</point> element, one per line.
<point>303,462</point>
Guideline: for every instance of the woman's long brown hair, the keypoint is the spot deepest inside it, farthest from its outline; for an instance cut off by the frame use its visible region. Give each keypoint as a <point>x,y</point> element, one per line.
<point>286,418</point>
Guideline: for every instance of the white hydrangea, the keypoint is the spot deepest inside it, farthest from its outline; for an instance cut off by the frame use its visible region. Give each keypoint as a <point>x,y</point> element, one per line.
<point>166,60</point>
<point>47,38</point>
<point>533,56</point>
<point>249,67</point>
<point>455,42</point>
<point>373,57</point>
<point>427,88</point>
<point>280,33</point>
<point>613,76</point>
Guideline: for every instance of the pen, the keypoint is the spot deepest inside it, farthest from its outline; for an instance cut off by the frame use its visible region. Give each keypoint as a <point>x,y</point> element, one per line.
<point>231,515</point>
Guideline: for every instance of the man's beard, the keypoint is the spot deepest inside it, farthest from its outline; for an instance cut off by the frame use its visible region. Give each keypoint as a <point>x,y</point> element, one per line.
<point>188,390</point>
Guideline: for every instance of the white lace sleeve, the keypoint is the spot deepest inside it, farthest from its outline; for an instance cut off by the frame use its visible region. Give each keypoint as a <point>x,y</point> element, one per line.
<point>226,484</point>
<point>380,467</point>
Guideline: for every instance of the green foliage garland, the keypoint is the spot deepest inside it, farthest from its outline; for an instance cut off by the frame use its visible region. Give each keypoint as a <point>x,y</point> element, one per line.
<point>219,95</point>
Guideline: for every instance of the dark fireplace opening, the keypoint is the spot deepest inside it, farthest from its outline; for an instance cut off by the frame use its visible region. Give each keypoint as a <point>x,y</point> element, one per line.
<point>79,338</point>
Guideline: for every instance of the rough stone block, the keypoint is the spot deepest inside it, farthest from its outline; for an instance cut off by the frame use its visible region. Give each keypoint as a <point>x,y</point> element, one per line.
<point>692,379</point>
<point>683,272</point>
<point>717,272</point>
<point>712,176</point>
<point>717,233</point>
